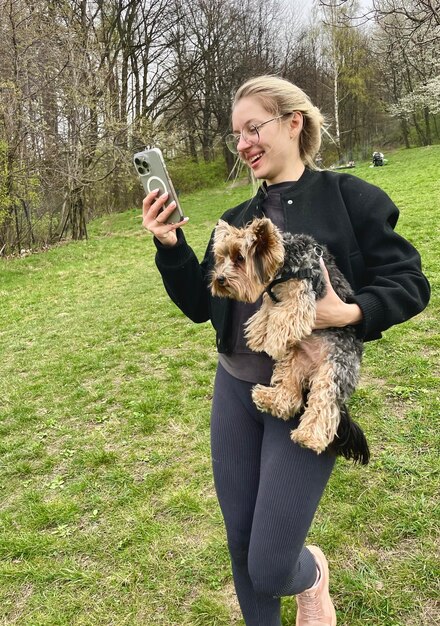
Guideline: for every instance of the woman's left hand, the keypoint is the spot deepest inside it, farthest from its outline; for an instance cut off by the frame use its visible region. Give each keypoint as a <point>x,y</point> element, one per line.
<point>332,311</point>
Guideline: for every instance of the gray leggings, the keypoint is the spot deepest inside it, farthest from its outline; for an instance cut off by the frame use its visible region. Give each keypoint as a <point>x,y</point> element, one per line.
<point>268,488</point>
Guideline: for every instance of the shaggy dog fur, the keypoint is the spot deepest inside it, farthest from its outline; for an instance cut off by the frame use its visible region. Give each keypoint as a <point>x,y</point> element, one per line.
<point>315,371</point>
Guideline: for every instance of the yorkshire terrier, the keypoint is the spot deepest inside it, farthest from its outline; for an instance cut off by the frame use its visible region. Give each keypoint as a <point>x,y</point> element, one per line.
<point>315,371</point>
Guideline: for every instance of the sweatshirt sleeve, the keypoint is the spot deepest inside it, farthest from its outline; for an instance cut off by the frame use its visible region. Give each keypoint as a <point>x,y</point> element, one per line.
<point>395,287</point>
<point>185,279</point>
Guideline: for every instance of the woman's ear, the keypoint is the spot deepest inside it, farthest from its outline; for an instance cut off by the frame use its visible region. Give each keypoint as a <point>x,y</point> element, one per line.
<point>296,124</point>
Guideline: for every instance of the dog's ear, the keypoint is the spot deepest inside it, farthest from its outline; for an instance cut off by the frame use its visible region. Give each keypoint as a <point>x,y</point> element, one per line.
<point>221,230</point>
<point>266,248</point>
<point>263,235</point>
<point>260,234</point>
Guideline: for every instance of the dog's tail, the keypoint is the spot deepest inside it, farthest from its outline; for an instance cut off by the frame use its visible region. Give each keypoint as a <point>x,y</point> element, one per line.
<point>350,442</point>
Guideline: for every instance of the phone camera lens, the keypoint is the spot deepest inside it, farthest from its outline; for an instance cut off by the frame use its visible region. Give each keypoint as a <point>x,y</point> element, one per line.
<point>137,161</point>
<point>141,170</point>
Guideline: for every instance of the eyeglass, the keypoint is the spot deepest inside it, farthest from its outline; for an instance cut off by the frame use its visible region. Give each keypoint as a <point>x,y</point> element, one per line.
<point>249,134</point>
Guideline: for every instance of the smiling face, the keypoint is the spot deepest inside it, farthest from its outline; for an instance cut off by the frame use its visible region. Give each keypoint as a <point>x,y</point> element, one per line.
<point>275,157</point>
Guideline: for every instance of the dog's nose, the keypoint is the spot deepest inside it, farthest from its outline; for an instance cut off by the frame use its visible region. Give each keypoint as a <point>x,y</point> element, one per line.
<point>221,280</point>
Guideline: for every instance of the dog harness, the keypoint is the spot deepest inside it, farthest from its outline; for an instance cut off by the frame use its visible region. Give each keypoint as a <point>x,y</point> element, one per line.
<point>300,274</point>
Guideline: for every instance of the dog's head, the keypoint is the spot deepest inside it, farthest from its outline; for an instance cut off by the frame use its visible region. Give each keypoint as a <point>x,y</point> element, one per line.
<point>246,259</point>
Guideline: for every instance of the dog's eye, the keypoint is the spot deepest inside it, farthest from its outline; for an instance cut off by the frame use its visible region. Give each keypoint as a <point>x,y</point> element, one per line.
<point>239,258</point>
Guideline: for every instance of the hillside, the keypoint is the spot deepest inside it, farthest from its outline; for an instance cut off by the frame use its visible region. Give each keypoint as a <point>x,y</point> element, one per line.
<point>108,512</point>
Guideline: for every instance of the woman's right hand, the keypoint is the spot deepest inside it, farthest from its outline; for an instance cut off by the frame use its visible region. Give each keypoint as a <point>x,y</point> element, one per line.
<point>155,215</point>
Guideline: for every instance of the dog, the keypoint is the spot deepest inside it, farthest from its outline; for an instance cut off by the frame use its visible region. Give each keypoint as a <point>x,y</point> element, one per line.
<point>315,371</point>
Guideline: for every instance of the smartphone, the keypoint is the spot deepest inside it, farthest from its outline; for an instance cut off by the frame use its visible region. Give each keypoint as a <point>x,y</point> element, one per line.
<point>153,173</point>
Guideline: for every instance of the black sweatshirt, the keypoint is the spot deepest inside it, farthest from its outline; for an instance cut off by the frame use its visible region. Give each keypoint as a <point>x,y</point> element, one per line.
<point>353,218</point>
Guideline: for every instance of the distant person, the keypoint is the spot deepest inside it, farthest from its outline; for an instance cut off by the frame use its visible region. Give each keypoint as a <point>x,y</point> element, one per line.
<point>269,487</point>
<point>378,159</point>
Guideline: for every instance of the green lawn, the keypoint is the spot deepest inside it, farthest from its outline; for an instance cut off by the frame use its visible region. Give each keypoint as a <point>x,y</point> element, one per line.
<point>108,514</point>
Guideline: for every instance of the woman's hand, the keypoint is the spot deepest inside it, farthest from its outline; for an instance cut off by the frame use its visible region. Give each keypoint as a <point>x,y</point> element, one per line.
<point>332,311</point>
<point>155,215</point>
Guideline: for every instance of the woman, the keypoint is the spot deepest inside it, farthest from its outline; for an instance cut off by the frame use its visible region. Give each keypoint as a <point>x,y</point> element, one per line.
<point>268,487</point>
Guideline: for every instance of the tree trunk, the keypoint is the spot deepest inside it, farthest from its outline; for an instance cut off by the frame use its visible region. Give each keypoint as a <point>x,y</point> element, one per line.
<point>427,126</point>
<point>336,112</point>
<point>405,132</point>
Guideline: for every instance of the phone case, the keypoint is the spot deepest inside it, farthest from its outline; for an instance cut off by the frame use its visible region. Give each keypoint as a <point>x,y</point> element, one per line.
<point>153,173</point>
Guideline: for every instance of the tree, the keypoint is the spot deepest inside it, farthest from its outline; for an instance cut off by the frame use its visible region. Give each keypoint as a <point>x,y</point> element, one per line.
<point>411,61</point>
<point>417,19</point>
<point>350,69</point>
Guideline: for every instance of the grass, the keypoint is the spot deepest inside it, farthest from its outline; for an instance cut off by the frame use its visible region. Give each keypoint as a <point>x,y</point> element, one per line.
<point>108,514</point>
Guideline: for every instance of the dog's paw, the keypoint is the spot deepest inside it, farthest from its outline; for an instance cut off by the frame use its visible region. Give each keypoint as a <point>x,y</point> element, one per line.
<point>306,437</point>
<point>271,400</point>
<point>263,397</point>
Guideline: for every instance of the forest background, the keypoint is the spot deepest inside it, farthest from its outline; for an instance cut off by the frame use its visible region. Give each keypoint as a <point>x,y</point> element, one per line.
<point>85,84</point>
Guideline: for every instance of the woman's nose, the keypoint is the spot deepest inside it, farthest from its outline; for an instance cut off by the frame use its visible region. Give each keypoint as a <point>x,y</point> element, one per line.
<point>242,144</point>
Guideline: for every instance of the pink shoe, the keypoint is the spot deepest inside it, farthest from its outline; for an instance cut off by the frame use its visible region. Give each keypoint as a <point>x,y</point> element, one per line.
<point>315,607</point>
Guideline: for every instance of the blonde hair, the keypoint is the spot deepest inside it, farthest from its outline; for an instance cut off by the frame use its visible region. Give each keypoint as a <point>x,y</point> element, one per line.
<point>279,96</point>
